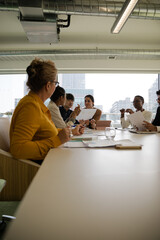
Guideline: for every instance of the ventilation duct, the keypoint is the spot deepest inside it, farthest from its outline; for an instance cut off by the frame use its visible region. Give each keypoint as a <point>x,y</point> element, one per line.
<point>37,29</point>
<point>144,9</point>
<point>92,54</point>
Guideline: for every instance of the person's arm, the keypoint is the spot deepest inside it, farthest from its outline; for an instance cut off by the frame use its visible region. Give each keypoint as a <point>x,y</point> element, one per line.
<point>97,115</point>
<point>56,116</point>
<point>25,124</point>
<point>124,122</point>
<point>156,121</point>
<point>74,114</point>
<point>150,126</point>
<point>158,128</point>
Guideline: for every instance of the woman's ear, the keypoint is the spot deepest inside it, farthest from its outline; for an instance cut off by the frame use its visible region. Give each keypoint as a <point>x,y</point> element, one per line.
<point>47,86</point>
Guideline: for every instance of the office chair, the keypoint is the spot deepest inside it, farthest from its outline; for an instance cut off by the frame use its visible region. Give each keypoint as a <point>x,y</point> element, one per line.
<point>5,218</point>
<point>102,124</point>
<point>18,173</point>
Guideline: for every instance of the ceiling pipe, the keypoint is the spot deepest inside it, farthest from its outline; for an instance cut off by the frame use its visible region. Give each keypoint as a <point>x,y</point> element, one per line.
<point>111,54</point>
<point>89,8</point>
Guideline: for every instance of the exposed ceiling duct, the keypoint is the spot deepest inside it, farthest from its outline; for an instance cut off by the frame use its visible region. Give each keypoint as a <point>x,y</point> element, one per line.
<point>144,9</point>
<point>37,29</point>
<point>40,20</point>
<point>51,11</point>
<point>112,54</point>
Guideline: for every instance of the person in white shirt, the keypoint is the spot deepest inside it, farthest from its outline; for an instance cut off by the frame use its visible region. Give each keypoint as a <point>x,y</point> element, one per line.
<point>138,104</point>
<point>58,99</point>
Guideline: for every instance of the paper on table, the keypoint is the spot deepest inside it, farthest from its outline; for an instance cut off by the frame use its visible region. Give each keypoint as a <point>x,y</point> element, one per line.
<point>128,144</point>
<point>70,144</point>
<point>100,143</point>
<point>121,144</point>
<point>85,137</point>
<point>125,143</point>
<point>137,119</point>
<point>142,132</point>
<point>86,114</point>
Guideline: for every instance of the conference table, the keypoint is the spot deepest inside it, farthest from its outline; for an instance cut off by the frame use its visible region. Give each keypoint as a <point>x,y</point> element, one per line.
<point>94,194</point>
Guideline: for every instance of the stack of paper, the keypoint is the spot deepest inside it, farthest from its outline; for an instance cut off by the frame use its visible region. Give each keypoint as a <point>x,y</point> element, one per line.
<point>128,144</point>
<point>86,114</point>
<point>137,119</point>
<point>142,132</point>
<point>100,143</point>
<point>122,144</point>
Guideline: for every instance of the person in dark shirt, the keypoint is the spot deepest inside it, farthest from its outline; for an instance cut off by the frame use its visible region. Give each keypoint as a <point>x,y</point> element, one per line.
<point>66,112</point>
<point>155,125</point>
<point>156,121</point>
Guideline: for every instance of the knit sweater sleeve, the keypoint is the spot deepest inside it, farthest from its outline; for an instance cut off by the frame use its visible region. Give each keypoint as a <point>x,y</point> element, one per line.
<point>27,123</point>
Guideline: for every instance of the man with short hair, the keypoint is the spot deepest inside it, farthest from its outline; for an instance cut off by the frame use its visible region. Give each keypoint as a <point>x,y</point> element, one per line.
<point>66,112</point>
<point>155,125</point>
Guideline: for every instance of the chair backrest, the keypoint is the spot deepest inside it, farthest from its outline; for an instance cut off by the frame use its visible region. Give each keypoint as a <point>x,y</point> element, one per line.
<point>102,124</point>
<point>4,134</point>
<point>2,184</point>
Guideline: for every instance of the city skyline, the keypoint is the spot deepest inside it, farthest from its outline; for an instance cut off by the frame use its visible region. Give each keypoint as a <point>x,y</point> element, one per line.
<point>118,88</point>
<point>107,88</point>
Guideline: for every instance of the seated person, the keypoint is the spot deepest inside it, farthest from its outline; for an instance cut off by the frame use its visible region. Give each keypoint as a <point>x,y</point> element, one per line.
<point>89,103</point>
<point>57,99</point>
<point>155,125</point>
<point>32,132</point>
<point>66,112</point>
<point>138,104</point>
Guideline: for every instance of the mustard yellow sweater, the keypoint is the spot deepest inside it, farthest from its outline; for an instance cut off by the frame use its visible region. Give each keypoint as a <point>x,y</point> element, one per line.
<point>32,132</point>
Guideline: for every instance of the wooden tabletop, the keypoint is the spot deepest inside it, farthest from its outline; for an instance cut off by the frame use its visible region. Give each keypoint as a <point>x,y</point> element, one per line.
<point>94,194</point>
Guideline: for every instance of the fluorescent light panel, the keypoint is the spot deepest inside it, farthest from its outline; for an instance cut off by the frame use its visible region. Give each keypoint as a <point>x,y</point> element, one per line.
<point>123,15</point>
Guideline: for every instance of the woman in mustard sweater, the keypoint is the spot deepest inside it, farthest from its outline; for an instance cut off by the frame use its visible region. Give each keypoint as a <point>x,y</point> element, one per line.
<point>32,132</point>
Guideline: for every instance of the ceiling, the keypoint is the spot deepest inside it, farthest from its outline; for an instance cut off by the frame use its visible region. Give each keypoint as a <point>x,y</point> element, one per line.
<point>87,44</point>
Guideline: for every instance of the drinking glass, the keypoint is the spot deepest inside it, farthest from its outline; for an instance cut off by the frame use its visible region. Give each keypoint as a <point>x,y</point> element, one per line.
<point>110,132</point>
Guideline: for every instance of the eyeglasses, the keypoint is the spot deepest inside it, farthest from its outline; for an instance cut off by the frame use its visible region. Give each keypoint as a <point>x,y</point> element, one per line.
<point>56,83</point>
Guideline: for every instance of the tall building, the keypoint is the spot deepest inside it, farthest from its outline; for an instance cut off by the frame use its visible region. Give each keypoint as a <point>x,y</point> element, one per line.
<point>76,81</point>
<point>26,89</point>
<point>116,106</point>
<point>75,84</point>
<point>16,101</point>
<point>152,96</point>
<point>115,110</point>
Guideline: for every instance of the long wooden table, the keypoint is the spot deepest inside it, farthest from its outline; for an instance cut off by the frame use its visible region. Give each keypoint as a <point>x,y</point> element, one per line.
<point>94,194</point>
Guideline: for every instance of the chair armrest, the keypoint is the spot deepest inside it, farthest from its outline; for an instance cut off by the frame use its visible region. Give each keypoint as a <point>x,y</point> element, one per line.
<point>18,174</point>
<point>5,153</point>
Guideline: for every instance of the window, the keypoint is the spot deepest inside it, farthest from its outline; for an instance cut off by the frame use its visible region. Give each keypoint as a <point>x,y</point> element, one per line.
<point>111,91</point>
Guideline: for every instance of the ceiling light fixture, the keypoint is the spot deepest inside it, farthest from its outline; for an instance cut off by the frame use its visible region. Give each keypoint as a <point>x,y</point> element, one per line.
<point>125,12</point>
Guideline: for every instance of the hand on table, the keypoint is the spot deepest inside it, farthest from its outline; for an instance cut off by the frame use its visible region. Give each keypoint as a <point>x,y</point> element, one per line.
<point>150,126</point>
<point>78,130</point>
<point>64,135</point>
